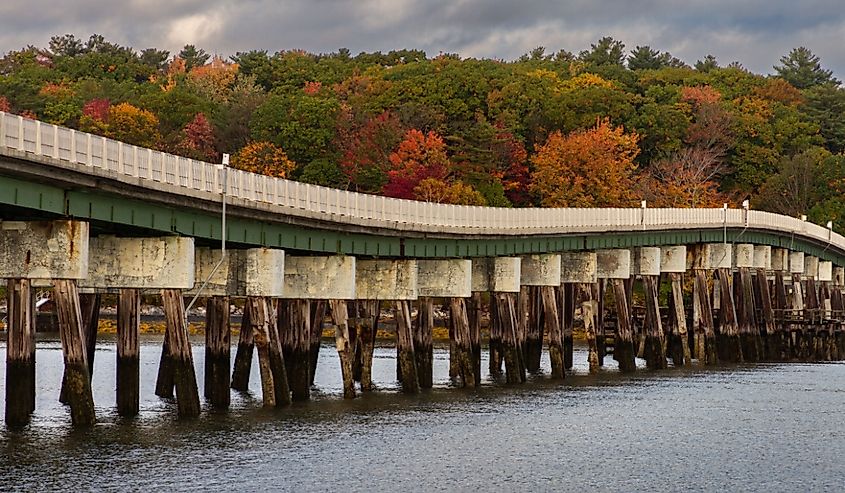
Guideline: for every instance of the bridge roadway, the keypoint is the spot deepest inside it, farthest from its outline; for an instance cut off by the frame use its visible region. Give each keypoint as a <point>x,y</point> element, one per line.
<point>83,212</point>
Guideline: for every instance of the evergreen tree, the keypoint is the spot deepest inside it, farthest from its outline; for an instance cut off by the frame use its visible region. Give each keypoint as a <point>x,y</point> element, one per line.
<point>802,69</point>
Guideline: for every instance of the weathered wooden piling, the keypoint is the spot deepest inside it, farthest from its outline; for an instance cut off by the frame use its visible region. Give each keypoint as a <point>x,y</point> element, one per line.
<point>366,340</point>
<point>705,335</point>
<point>89,307</point>
<point>474,313</point>
<point>655,341</point>
<point>78,380</point>
<point>678,345</point>
<point>551,320</point>
<point>318,313</point>
<point>20,352</point>
<point>165,380</point>
<point>423,348</point>
<point>779,344</point>
<point>588,314</point>
<point>243,355</point>
<point>260,321</point>
<point>809,327</point>
<point>405,347</point>
<point>296,346</point>
<point>281,387</point>
<point>514,367</point>
<point>728,345</point>
<point>749,333</point>
<point>496,359</point>
<point>340,319</point>
<point>599,291</point>
<point>217,357</point>
<point>182,359</point>
<point>463,341</point>
<point>796,315</point>
<point>128,352</point>
<point>567,314</point>
<point>765,315</point>
<point>623,350</point>
<point>533,345</point>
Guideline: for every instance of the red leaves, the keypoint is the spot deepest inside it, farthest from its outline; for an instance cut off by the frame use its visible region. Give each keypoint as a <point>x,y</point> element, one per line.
<point>418,157</point>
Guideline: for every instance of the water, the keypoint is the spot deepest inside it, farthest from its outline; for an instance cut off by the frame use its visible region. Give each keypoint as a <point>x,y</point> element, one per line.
<point>755,428</point>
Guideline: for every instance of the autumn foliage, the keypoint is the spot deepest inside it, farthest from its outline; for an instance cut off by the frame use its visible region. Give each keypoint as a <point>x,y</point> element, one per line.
<point>418,157</point>
<point>265,158</point>
<point>586,168</point>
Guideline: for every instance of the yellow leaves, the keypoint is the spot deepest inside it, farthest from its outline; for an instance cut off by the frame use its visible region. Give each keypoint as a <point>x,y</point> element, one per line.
<point>582,81</point>
<point>265,158</point>
<point>588,168</point>
<point>436,190</point>
<point>133,125</point>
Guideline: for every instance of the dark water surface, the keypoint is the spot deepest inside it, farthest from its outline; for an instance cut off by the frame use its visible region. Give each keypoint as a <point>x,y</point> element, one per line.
<point>760,428</point>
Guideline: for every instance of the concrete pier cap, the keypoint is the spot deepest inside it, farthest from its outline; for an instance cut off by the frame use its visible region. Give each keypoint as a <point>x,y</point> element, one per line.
<point>540,270</point>
<point>264,270</point>
<point>645,261</point>
<point>811,267</point>
<point>228,280</point>
<point>141,263</point>
<point>450,278</point>
<point>496,274</point>
<point>780,259</point>
<point>673,259</point>
<point>762,257</point>
<point>796,262</point>
<point>386,280</point>
<point>825,271</point>
<point>743,255</point>
<point>44,249</point>
<point>319,278</point>
<point>613,264</point>
<point>578,267</point>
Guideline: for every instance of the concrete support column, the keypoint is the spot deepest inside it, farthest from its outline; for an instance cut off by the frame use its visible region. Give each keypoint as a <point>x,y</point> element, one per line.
<point>646,265</point>
<point>673,264</point>
<point>537,273</point>
<point>501,276</point>
<point>578,274</point>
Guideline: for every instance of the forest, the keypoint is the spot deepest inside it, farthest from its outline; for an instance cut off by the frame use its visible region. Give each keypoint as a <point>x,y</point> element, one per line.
<point>608,126</point>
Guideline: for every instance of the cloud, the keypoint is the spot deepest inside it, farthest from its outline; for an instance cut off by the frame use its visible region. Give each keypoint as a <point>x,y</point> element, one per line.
<point>754,32</point>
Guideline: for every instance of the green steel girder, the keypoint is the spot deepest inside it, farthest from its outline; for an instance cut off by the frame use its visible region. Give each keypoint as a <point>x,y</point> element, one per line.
<point>117,214</point>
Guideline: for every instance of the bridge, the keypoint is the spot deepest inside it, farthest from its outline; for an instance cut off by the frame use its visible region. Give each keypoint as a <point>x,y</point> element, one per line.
<point>89,215</point>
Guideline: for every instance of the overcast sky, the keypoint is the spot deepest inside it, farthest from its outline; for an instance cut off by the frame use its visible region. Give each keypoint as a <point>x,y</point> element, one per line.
<point>754,32</point>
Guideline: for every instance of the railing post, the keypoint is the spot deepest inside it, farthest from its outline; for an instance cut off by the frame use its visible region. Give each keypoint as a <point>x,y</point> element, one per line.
<point>89,158</point>
<point>20,133</point>
<point>72,145</point>
<point>2,129</point>
<point>105,153</point>
<point>56,142</point>
<point>120,158</point>
<point>38,137</point>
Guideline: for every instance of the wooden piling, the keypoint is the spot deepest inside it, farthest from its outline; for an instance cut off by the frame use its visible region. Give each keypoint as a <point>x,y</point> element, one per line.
<point>779,344</point>
<point>495,339</point>
<point>507,314</point>
<point>749,333</point>
<point>20,351</point>
<point>766,314</point>
<point>89,306</point>
<point>533,345</point>
<point>405,347</point>
<point>463,341</point>
<point>599,290</point>
<point>623,350</point>
<point>217,357</point>
<point>474,313</point>
<point>260,322</point>
<point>367,339</point>
<point>655,340</point>
<point>551,320</point>
<point>78,380</point>
<point>296,346</point>
<point>128,353</point>
<point>703,316</point>
<point>243,356</point>
<point>278,368</point>
<point>340,319</point>
<point>185,379</point>
<point>797,314</point>
<point>165,381</point>
<point>318,314</point>
<point>728,344</point>
<point>588,314</point>
<point>809,329</point>
<point>423,347</point>
<point>678,344</point>
<point>567,314</point>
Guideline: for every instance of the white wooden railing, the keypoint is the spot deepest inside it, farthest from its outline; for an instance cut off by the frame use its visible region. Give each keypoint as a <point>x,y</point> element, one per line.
<point>64,147</point>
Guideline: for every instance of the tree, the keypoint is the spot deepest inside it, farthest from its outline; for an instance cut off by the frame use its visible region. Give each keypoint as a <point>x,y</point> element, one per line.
<point>586,168</point>
<point>442,192</point>
<point>419,156</point>
<point>709,63</point>
<point>66,45</point>
<point>133,125</point>
<point>645,58</point>
<point>366,151</point>
<point>323,172</point>
<point>606,51</point>
<point>800,183</point>
<point>4,105</point>
<point>264,158</point>
<point>687,178</point>
<point>156,59</point>
<point>197,140</point>
<point>825,106</point>
<point>801,68</point>
<point>193,57</point>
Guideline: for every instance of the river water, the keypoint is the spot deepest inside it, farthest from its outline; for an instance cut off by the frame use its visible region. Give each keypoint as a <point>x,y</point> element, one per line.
<point>778,427</point>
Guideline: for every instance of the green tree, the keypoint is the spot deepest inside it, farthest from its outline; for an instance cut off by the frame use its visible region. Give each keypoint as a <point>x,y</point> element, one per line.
<point>707,64</point>
<point>825,105</point>
<point>646,58</point>
<point>606,51</point>
<point>801,68</point>
<point>193,57</point>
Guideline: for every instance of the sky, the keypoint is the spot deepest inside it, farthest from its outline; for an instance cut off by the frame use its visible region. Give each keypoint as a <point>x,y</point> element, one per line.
<point>755,33</point>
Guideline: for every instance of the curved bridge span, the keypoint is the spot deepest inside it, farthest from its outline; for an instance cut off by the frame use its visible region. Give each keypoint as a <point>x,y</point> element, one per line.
<point>82,213</point>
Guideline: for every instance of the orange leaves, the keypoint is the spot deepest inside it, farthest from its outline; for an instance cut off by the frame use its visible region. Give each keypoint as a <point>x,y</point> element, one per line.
<point>264,158</point>
<point>436,190</point>
<point>4,104</point>
<point>419,156</point>
<point>700,95</point>
<point>589,168</point>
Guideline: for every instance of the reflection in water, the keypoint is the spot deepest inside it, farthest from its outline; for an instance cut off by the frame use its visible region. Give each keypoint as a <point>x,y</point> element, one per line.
<point>767,427</point>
